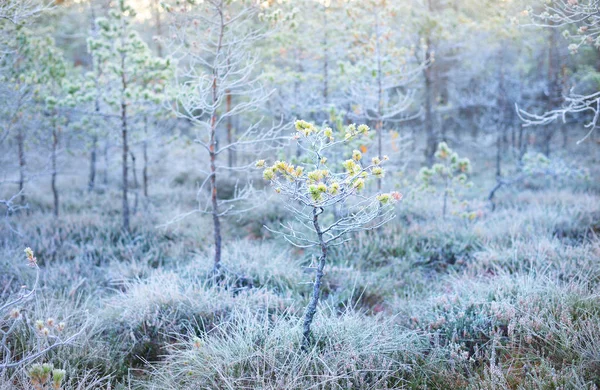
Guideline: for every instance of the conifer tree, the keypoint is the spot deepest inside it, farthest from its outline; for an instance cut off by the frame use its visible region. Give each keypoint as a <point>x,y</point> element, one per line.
<point>135,77</point>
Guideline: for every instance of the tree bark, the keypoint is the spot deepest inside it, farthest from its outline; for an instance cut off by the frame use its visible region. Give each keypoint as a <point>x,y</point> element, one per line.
<point>230,151</point>
<point>54,168</point>
<point>554,87</point>
<point>145,156</point>
<point>445,207</point>
<point>22,163</point>
<point>105,173</point>
<point>431,141</point>
<point>158,24</point>
<point>311,309</point>
<point>213,157</point>
<point>93,158</point>
<point>94,152</point>
<point>135,183</point>
<point>499,154</point>
<point>429,131</point>
<point>325,60</point>
<point>125,146</point>
<point>379,92</point>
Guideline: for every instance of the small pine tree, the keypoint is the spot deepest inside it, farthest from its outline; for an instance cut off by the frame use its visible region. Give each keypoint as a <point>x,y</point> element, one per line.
<point>136,77</point>
<point>449,175</point>
<point>315,187</point>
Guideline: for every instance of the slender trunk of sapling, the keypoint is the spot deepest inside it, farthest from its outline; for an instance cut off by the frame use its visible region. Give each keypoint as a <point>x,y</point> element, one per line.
<point>124,155</point>
<point>93,158</point>
<point>379,94</point>
<point>124,170</point>
<point>215,214</point>
<point>513,140</point>
<point>158,25</point>
<point>231,151</point>
<point>499,155</point>
<point>93,154</point>
<point>124,137</point>
<point>213,187</point>
<point>445,197</point>
<point>431,142</point>
<point>22,164</point>
<point>311,309</point>
<point>429,131</point>
<point>135,183</point>
<point>522,143</point>
<point>105,173</point>
<point>54,169</point>
<point>212,151</point>
<point>325,60</point>
<point>145,155</point>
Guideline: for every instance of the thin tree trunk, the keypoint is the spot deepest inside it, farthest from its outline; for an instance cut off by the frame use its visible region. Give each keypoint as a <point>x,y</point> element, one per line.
<point>311,309</point>
<point>125,145</point>
<point>230,151</point>
<point>54,168</point>
<point>431,141</point>
<point>22,163</point>
<point>136,185</point>
<point>501,107</point>
<point>548,140</point>
<point>299,70</point>
<point>215,208</point>
<point>513,139</point>
<point>93,154</point>
<point>325,60</point>
<point>522,143</point>
<point>554,86</point>
<point>379,93</point>
<point>158,24</point>
<point>445,207</point>
<point>429,131</point>
<point>499,154</point>
<point>93,158</point>
<point>105,171</point>
<point>145,156</point>
<point>565,90</point>
<point>213,158</point>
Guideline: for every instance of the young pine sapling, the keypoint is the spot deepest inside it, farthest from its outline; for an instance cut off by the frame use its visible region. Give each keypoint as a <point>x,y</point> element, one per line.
<point>449,174</point>
<point>315,187</point>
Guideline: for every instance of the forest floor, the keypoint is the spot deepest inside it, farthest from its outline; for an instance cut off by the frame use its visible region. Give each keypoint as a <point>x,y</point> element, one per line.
<point>509,299</point>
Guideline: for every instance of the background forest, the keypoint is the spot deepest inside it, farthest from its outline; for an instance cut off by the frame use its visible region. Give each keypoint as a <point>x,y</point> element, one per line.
<point>299,194</point>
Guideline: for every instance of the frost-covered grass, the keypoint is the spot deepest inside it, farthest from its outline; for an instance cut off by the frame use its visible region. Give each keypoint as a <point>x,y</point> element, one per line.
<point>510,299</point>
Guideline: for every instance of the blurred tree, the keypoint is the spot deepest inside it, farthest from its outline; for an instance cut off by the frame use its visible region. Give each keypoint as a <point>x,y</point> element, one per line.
<point>217,62</point>
<point>133,74</point>
<point>580,22</point>
<point>32,70</point>
<point>381,68</point>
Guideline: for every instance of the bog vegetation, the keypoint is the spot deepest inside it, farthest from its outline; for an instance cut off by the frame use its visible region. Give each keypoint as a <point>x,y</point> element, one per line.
<point>307,194</point>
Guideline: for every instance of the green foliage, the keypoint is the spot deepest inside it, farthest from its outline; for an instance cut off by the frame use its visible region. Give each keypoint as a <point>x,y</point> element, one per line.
<point>447,176</point>
<point>121,56</point>
<point>45,376</point>
<point>315,183</point>
<point>34,65</point>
